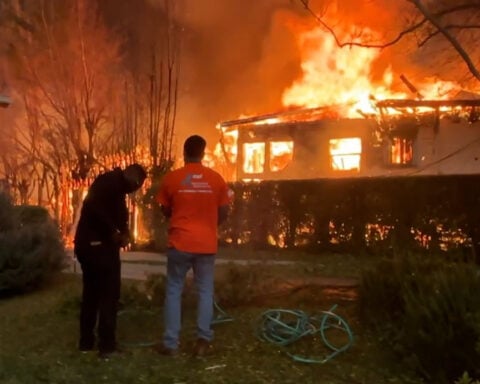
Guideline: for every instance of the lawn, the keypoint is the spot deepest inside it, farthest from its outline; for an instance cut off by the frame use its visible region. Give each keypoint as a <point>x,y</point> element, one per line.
<point>38,334</point>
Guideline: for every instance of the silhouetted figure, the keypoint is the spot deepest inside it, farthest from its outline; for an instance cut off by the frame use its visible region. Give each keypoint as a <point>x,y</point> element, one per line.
<point>102,230</point>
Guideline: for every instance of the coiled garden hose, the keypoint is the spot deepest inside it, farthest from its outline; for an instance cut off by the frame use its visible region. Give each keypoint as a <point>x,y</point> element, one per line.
<point>283,327</point>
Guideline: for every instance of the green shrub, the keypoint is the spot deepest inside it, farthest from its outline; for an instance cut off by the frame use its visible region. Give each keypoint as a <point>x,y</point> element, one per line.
<point>466,379</point>
<point>427,311</point>
<point>31,249</point>
<point>7,215</point>
<point>31,214</point>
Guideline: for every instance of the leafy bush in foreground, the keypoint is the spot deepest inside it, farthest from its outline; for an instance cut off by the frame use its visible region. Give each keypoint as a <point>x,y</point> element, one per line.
<point>31,249</point>
<point>428,312</point>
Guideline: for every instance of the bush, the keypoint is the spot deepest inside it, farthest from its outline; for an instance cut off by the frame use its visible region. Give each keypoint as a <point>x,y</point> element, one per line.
<point>31,249</point>
<point>427,311</point>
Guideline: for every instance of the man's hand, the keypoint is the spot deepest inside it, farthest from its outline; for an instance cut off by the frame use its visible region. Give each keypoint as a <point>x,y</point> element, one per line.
<point>122,239</point>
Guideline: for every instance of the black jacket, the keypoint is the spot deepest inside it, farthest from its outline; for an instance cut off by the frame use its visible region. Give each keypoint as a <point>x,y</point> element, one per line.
<point>104,210</point>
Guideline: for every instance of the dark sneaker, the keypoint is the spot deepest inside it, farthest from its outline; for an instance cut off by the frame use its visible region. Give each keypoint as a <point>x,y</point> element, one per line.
<point>164,351</point>
<point>202,348</point>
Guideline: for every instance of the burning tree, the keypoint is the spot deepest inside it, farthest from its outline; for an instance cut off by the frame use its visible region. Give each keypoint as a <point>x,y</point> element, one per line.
<point>149,115</point>
<point>67,87</point>
<point>84,107</point>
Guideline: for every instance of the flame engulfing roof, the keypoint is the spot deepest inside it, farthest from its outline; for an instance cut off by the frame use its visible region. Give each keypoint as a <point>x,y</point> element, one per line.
<point>326,112</point>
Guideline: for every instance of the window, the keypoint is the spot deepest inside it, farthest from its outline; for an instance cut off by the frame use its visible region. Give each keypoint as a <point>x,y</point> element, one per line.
<point>401,151</point>
<point>346,154</point>
<point>281,154</point>
<point>253,157</point>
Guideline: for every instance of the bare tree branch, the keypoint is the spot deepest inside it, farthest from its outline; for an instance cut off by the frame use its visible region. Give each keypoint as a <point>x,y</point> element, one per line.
<point>408,30</point>
<point>431,35</point>
<point>448,35</point>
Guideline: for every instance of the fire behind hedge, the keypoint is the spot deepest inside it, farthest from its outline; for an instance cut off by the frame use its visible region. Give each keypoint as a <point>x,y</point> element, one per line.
<point>356,214</point>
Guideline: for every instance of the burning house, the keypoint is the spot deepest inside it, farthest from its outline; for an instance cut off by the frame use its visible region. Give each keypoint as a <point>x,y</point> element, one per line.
<point>349,111</point>
<point>401,137</point>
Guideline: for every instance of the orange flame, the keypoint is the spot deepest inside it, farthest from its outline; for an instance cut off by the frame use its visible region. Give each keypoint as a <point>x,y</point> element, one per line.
<point>342,76</point>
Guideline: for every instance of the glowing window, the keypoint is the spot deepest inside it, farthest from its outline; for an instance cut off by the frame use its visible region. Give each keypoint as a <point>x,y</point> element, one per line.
<point>401,151</point>
<point>253,157</point>
<point>281,154</point>
<point>346,154</point>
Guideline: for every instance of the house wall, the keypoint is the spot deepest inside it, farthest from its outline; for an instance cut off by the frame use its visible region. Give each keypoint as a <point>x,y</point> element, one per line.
<point>447,147</point>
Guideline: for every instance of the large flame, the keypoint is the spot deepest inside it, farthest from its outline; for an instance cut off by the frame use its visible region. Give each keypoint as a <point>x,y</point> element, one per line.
<point>342,76</point>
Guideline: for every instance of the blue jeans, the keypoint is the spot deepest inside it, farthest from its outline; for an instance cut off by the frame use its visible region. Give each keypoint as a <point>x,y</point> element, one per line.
<point>178,264</point>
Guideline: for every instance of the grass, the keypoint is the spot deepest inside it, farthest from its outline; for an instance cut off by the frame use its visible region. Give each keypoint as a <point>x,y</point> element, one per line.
<point>38,336</point>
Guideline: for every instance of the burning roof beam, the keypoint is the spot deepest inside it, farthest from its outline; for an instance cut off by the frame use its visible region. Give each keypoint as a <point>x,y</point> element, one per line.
<point>290,113</point>
<point>411,87</point>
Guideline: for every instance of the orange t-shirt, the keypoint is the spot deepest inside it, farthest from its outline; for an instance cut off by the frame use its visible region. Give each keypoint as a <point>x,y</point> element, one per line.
<point>193,193</point>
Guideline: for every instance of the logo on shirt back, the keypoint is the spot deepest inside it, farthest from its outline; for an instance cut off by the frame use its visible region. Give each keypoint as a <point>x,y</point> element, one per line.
<point>194,183</point>
<point>187,181</point>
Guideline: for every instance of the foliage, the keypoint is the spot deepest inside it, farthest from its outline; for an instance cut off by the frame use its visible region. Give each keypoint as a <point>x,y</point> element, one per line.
<point>153,216</point>
<point>31,249</point>
<point>466,379</point>
<point>31,214</point>
<point>427,311</point>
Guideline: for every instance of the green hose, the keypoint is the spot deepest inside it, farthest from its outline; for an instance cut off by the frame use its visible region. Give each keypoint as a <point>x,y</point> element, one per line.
<point>283,327</point>
<point>221,316</point>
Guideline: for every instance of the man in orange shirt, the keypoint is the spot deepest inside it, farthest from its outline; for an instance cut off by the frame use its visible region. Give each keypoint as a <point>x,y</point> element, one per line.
<point>195,199</point>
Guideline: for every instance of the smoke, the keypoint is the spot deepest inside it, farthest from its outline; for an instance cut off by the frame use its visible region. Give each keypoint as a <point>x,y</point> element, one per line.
<point>237,57</point>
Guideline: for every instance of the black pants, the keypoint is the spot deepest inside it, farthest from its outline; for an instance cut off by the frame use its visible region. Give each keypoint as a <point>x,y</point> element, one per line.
<point>100,296</point>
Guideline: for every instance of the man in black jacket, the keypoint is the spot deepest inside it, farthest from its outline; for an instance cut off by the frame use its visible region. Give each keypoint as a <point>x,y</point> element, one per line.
<point>102,230</point>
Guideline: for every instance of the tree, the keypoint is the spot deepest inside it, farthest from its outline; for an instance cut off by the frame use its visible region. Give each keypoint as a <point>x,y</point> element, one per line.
<point>148,115</point>
<point>66,66</point>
